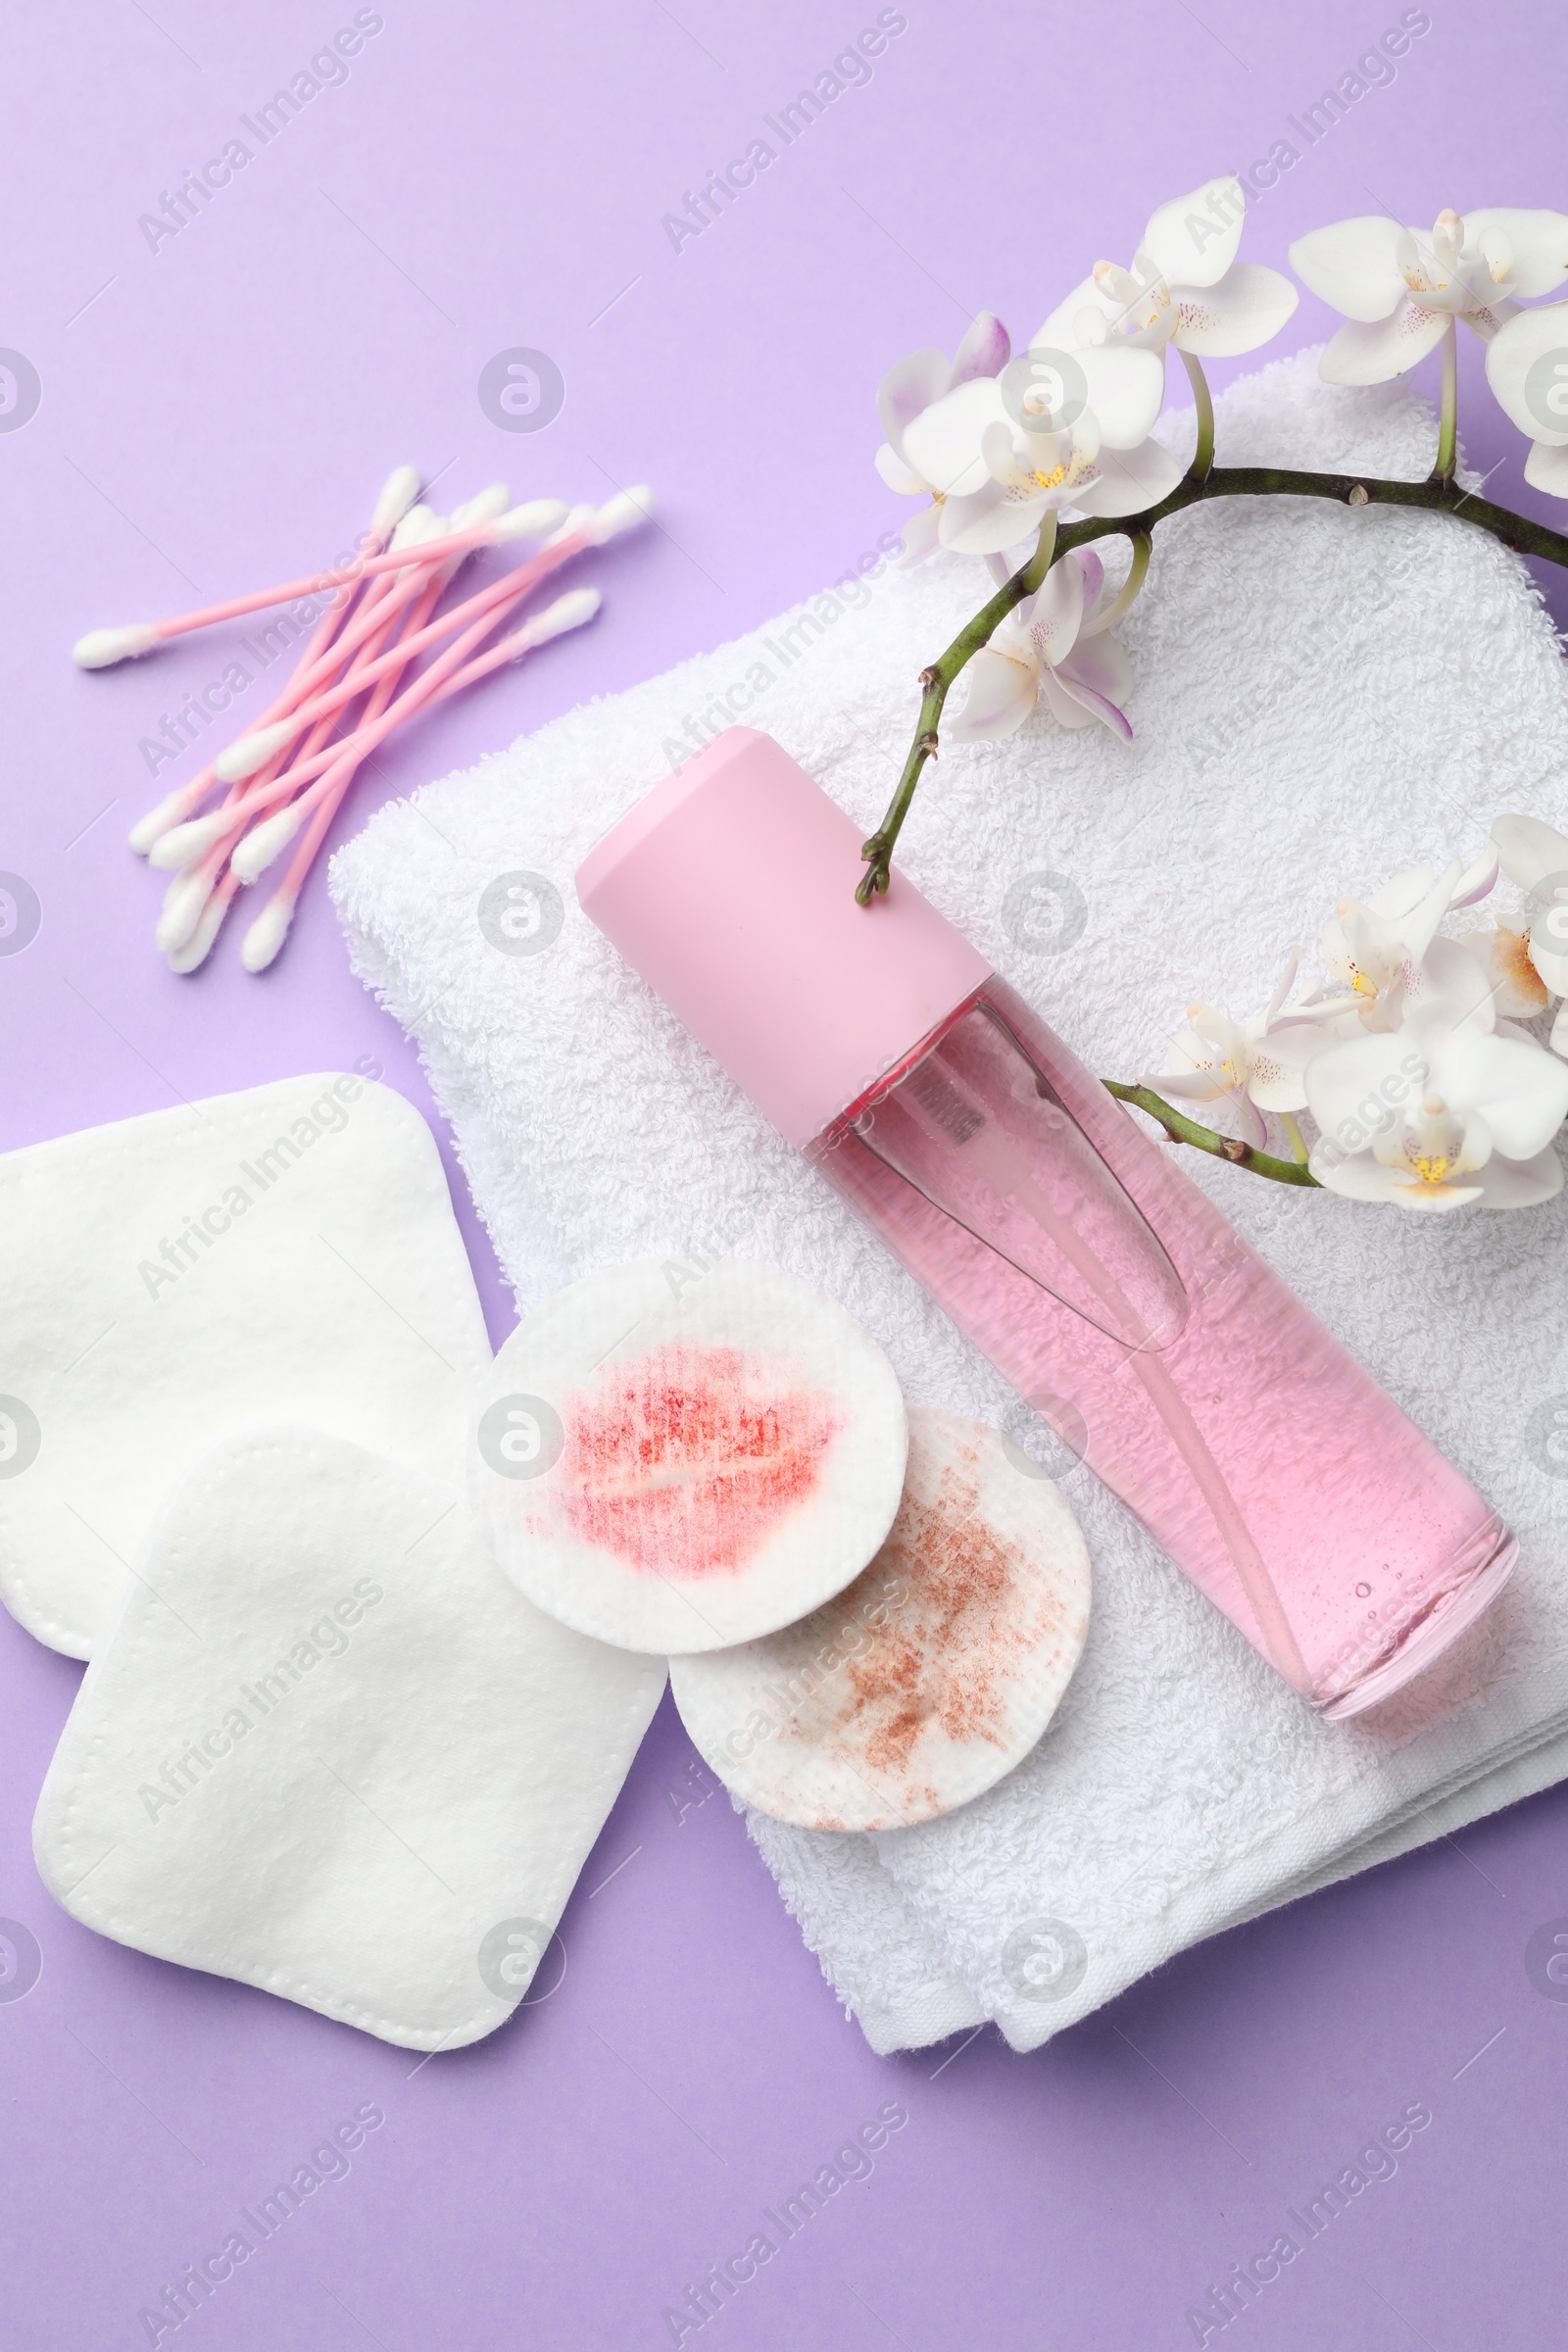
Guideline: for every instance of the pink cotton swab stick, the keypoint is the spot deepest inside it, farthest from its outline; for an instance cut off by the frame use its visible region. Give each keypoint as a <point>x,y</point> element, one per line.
<point>391,508</point>
<point>193,914</point>
<point>272,748</point>
<point>266,936</point>
<point>395,590</point>
<point>189,843</point>
<point>581,530</point>
<point>320,664</point>
<point>262,844</point>
<point>101,649</point>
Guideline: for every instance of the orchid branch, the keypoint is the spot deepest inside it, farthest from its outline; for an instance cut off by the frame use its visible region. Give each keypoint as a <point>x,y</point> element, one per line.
<point>1436,495</point>
<point>1180,1129</point>
<point>934,684</point>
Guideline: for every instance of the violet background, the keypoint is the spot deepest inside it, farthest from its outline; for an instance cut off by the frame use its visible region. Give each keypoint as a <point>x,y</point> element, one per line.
<point>220,414</point>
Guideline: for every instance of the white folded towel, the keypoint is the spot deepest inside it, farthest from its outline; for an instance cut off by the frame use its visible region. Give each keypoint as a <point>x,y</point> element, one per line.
<point>1324,696</point>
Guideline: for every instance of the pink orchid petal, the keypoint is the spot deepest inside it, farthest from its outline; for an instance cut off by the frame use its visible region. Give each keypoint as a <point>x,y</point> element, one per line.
<point>985,349</point>
<point>1099,704</point>
<point>910,385</point>
<point>1001,696</point>
<point>1104,665</point>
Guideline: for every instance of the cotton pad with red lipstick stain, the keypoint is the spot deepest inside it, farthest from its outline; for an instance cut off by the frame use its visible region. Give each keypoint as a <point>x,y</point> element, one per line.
<point>677,1461</point>
<point>932,1675</point>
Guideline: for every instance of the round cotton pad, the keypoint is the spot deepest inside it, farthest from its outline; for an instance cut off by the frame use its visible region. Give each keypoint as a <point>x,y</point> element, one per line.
<point>675,1461</point>
<point>932,1675</point>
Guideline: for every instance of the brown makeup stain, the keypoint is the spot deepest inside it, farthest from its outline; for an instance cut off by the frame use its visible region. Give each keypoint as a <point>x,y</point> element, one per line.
<point>942,1657</point>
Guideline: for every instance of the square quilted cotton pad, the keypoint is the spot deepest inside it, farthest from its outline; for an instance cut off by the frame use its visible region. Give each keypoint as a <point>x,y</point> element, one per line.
<point>331,1751</point>
<point>286,1253</point>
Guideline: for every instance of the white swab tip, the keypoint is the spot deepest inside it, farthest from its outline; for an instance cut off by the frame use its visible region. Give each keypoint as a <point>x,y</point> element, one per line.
<point>568,612</point>
<point>183,844</point>
<point>532,521</point>
<point>251,751</point>
<point>420,523</point>
<point>101,649</point>
<point>199,945</point>
<point>156,823</point>
<point>574,523</point>
<point>401,491</point>
<point>253,854</point>
<point>182,911</point>
<point>623,512</point>
<point>267,934</point>
<point>488,505</point>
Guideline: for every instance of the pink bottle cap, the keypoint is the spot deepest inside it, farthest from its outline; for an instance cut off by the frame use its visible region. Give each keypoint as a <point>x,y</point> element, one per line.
<point>731,888</point>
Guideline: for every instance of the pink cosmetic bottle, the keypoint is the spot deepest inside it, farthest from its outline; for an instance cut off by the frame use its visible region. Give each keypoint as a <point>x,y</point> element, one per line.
<point>1063,1238</point>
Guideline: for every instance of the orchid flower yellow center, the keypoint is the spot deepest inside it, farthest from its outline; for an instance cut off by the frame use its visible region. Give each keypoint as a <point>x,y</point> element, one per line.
<point>1437,1142</point>
<point>1447,242</point>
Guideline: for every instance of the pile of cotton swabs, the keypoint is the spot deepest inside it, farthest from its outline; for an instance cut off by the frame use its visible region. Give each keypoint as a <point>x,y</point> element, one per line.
<point>290,773</point>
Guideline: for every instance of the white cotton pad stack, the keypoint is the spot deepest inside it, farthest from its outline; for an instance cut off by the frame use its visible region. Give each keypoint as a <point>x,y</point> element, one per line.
<point>330,1750</point>
<point>288,1252</point>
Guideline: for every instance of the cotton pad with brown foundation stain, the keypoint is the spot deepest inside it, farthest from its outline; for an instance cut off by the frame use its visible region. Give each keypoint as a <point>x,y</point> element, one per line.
<point>675,1460</point>
<point>932,1675</point>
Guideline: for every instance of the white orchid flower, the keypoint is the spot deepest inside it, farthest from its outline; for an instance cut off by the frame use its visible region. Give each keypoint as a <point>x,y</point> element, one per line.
<point>909,394</point>
<point>1259,1063</point>
<point>1185,285</point>
<point>1054,430</point>
<point>1438,1113</point>
<point>1528,957</point>
<point>1386,952</point>
<point>1050,649</point>
<point>1400,288</point>
<point>1527,367</point>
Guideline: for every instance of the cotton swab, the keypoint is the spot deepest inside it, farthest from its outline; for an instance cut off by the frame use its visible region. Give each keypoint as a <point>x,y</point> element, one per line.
<point>181,843</point>
<point>101,649</point>
<point>380,696</point>
<point>250,752</point>
<point>392,508</point>
<point>265,840</point>
<point>190,924</point>
<point>264,939</point>
<point>321,659</point>
<point>361,674</point>
<point>586,526</point>
<point>365,737</point>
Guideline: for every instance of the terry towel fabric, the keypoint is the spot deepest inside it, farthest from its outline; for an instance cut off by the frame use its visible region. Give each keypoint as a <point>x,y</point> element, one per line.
<point>1323,697</point>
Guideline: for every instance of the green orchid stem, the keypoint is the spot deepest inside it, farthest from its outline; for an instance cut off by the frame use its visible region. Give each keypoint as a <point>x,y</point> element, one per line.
<point>1203,465</point>
<point>1433,496</point>
<point>1136,573</point>
<point>1448,413</point>
<point>934,684</point>
<point>1180,1129</point>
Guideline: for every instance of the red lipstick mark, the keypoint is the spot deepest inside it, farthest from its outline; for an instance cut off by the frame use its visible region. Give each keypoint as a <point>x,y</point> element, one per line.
<point>685,1462</point>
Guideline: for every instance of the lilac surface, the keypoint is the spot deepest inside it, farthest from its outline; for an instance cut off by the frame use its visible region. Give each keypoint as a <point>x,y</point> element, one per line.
<point>219,413</point>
